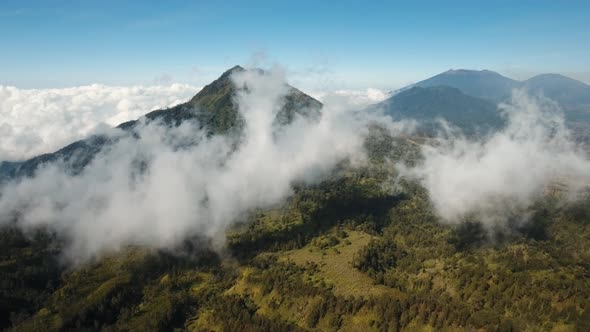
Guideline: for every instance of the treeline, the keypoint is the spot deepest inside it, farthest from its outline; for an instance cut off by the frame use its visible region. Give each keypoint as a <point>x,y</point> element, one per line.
<point>348,198</point>
<point>485,279</point>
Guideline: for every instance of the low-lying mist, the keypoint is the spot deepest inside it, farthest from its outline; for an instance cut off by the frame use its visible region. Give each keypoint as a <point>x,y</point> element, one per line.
<point>487,179</point>
<point>159,185</point>
<point>162,184</point>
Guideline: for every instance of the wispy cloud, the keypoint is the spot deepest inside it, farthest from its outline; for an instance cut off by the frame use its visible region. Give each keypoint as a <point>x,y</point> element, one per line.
<point>196,190</point>
<point>490,178</point>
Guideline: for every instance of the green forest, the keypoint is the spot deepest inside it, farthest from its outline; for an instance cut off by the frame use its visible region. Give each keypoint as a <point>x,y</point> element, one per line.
<point>356,252</point>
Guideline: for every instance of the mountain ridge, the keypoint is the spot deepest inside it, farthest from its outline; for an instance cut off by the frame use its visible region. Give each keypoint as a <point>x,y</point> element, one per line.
<point>571,93</point>
<point>428,104</point>
<point>478,83</point>
<point>568,92</point>
<point>213,108</point>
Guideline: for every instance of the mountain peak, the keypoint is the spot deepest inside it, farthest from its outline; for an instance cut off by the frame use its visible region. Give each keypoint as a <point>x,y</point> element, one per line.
<point>568,92</point>
<point>487,84</point>
<point>213,108</point>
<point>469,72</point>
<point>479,83</point>
<point>428,103</point>
<point>222,85</point>
<point>553,77</point>
<point>232,70</point>
<point>236,67</point>
<point>550,75</point>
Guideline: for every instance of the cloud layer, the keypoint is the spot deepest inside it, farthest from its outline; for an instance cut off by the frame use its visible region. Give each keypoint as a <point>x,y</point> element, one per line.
<point>36,121</point>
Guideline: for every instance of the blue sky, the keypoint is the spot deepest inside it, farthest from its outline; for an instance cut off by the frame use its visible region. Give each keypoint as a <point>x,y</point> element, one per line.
<point>344,44</point>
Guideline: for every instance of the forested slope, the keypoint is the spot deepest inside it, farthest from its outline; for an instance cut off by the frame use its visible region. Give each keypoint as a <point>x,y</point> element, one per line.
<point>353,253</point>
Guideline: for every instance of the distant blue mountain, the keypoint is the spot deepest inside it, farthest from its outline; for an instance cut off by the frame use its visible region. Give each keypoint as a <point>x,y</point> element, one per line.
<point>569,93</point>
<point>429,104</point>
<point>469,98</point>
<point>482,84</point>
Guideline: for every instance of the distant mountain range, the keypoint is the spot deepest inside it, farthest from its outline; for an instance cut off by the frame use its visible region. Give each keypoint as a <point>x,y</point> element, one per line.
<point>569,93</point>
<point>482,84</point>
<point>468,98</point>
<point>430,104</point>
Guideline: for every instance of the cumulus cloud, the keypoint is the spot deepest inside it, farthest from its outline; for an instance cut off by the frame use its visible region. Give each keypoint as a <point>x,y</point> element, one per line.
<point>35,121</point>
<point>153,189</point>
<point>505,172</point>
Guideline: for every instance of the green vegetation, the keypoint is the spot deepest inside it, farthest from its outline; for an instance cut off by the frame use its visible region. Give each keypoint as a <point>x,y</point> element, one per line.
<point>348,254</point>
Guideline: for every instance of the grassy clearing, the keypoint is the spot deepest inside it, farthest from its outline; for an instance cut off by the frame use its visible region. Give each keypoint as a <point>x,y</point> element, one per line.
<point>336,268</point>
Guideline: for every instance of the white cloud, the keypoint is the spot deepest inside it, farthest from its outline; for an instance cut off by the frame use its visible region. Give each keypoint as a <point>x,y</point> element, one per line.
<point>491,177</point>
<point>354,99</point>
<point>35,121</point>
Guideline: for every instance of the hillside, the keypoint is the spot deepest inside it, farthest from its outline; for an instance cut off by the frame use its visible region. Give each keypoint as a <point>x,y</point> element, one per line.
<point>483,84</point>
<point>343,255</point>
<point>570,93</point>
<point>428,104</point>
